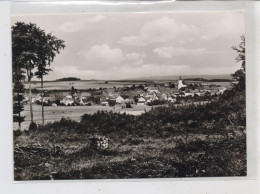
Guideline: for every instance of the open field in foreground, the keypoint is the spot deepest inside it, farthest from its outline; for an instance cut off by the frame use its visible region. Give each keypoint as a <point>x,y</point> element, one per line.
<point>41,156</point>
<point>73,112</point>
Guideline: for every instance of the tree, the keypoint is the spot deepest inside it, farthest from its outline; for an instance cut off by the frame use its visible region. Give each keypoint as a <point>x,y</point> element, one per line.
<point>240,74</point>
<point>33,48</point>
<point>18,91</point>
<point>24,45</point>
<point>46,51</point>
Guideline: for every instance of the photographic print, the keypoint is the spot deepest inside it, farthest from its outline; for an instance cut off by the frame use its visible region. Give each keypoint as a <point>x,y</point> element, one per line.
<point>129,95</point>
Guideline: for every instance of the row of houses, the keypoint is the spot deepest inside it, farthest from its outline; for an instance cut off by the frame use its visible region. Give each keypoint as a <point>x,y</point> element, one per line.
<point>137,96</point>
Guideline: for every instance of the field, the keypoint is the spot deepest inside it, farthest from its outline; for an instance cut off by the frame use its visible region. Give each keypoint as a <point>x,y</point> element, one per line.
<point>72,112</point>
<point>83,85</point>
<point>96,84</point>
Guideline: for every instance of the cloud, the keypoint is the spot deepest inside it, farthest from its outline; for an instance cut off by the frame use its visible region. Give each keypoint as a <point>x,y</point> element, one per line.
<point>135,58</point>
<point>80,24</point>
<point>228,26</point>
<point>159,31</point>
<point>103,57</point>
<point>169,52</point>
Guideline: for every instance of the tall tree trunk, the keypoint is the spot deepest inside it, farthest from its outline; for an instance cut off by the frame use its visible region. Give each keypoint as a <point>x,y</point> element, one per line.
<point>42,102</point>
<point>30,98</point>
<point>19,123</point>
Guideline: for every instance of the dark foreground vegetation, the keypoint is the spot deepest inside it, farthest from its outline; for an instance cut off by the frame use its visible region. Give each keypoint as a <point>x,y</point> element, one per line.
<point>185,141</point>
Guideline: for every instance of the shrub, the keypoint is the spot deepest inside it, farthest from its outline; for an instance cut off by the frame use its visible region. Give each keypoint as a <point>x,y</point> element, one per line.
<point>33,126</point>
<point>128,105</point>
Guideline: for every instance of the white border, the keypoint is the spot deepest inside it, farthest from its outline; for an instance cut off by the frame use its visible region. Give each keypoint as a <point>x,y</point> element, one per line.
<point>193,185</point>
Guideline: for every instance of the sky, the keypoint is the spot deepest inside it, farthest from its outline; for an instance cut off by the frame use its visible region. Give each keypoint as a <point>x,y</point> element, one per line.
<point>125,46</point>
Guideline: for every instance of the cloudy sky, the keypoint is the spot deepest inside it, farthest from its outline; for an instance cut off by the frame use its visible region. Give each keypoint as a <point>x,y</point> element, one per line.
<point>121,46</point>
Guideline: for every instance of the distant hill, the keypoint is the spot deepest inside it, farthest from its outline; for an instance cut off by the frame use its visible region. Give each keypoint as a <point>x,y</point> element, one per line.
<point>187,77</point>
<point>68,79</point>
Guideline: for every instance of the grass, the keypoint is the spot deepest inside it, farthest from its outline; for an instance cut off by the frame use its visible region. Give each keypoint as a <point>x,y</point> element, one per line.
<point>73,112</point>
<point>40,156</point>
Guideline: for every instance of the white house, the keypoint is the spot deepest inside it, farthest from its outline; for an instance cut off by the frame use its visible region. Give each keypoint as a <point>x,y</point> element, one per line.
<point>222,89</point>
<point>120,100</point>
<point>141,101</point>
<point>67,100</point>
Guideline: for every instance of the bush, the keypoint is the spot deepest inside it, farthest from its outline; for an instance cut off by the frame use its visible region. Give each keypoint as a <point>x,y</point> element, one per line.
<point>112,103</point>
<point>33,126</point>
<point>128,105</point>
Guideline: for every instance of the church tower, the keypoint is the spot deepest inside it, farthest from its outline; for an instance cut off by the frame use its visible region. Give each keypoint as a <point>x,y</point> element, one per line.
<point>180,83</point>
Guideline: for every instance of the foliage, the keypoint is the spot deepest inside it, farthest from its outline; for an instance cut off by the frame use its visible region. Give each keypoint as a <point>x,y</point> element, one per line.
<point>33,126</point>
<point>68,79</point>
<point>240,74</point>
<point>128,105</point>
<point>32,48</point>
<point>111,102</point>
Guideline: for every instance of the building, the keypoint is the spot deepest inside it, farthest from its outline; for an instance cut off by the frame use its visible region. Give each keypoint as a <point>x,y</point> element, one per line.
<point>180,84</point>
<point>222,89</point>
<point>120,100</point>
<point>153,89</point>
<point>141,101</point>
<point>130,100</point>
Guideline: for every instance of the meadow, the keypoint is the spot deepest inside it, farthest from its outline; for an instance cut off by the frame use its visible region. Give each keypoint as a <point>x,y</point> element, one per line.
<point>72,112</point>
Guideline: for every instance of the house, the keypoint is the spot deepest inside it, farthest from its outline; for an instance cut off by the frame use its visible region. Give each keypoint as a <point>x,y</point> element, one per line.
<point>171,99</point>
<point>163,97</point>
<point>106,96</point>
<point>140,92</point>
<point>167,84</point>
<point>67,100</point>
<point>83,102</point>
<point>153,89</point>
<point>120,100</point>
<point>196,91</point>
<point>141,101</point>
<point>85,95</point>
<point>188,94</point>
<point>113,97</point>
<point>114,94</point>
<point>130,100</point>
<point>222,89</point>
<point>104,103</point>
<point>214,92</point>
<point>152,95</point>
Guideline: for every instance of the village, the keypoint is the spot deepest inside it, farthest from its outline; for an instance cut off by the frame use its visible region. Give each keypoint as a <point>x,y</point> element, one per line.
<point>152,94</point>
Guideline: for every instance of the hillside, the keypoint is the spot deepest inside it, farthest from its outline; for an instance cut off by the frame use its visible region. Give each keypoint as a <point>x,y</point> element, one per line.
<point>68,79</point>
<point>175,77</point>
<point>187,141</point>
